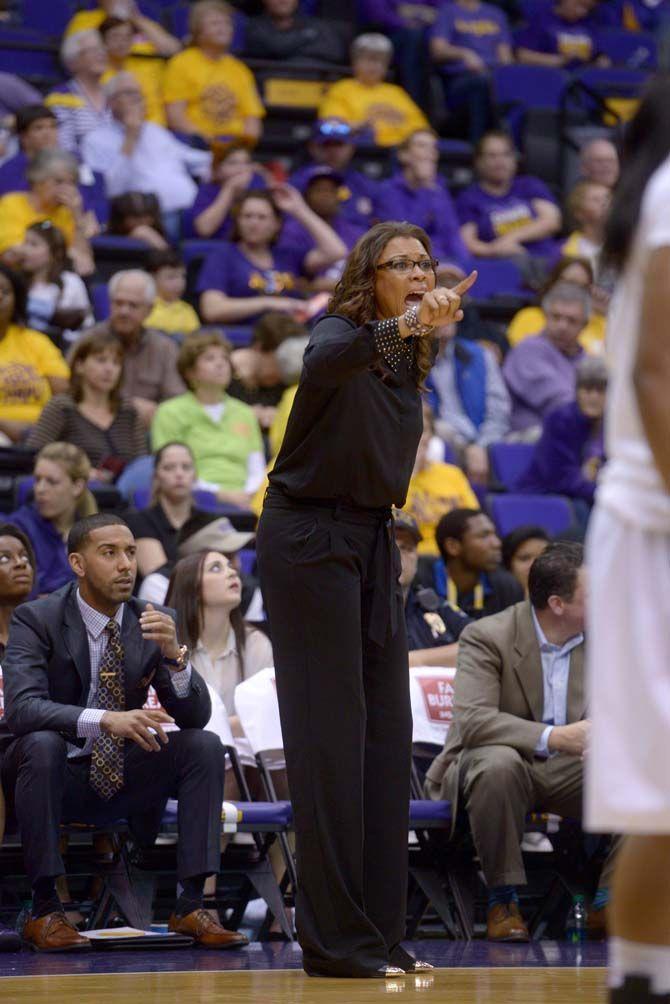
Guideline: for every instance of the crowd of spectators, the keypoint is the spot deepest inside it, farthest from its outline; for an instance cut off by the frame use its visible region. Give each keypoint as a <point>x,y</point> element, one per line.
<point>163,390</point>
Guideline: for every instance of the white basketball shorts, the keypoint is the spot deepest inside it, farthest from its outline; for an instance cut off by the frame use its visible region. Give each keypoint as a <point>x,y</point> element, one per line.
<point>628,659</point>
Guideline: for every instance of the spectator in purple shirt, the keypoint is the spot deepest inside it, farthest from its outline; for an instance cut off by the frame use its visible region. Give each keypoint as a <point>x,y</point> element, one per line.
<point>564,36</point>
<point>332,145</point>
<point>37,130</point>
<point>406,23</point>
<point>233,172</point>
<point>251,273</point>
<point>570,451</point>
<point>505,215</point>
<point>540,371</point>
<point>468,39</point>
<point>321,195</point>
<point>417,193</point>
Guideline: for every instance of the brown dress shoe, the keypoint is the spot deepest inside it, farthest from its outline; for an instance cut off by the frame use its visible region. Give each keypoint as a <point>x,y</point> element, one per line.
<point>205,931</point>
<point>505,923</point>
<point>53,933</point>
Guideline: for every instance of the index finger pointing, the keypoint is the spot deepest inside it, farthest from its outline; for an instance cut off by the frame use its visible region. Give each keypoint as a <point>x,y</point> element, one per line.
<point>464,285</point>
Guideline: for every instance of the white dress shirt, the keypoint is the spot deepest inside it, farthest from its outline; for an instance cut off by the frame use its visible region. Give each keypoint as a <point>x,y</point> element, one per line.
<point>95,622</point>
<point>555,678</point>
<point>159,164</point>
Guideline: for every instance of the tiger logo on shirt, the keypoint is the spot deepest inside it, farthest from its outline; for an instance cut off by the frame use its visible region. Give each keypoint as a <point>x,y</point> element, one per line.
<point>218,103</point>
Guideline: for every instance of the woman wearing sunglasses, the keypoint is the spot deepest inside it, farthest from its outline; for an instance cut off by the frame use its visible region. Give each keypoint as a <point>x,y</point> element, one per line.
<point>329,569</point>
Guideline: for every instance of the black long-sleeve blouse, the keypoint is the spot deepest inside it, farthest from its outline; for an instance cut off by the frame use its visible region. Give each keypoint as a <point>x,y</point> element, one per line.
<point>356,420</point>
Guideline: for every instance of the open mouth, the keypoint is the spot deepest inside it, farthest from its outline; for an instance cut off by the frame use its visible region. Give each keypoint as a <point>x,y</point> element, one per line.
<point>413,299</point>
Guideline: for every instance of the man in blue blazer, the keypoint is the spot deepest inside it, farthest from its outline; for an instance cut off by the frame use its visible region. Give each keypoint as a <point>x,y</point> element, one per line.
<point>79,746</point>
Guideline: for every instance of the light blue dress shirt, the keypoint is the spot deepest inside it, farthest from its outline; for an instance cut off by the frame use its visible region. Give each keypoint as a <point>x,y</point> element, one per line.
<point>555,677</point>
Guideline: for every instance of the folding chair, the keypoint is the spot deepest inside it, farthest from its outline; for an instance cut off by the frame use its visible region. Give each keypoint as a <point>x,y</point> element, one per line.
<point>431,695</point>
<point>263,820</point>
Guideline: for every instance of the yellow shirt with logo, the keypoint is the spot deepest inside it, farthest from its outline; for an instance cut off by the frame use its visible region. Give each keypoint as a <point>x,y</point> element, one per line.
<point>386,108</point>
<point>220,94</point>
<point>435,490</point>
<point>149,75</point>
<point>531,321</point>
<point>17,214</point>
<point>27,359</point>
<point>177,317</point>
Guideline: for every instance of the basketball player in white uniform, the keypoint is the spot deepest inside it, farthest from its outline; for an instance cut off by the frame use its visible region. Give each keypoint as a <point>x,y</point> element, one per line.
<point>628,762</point>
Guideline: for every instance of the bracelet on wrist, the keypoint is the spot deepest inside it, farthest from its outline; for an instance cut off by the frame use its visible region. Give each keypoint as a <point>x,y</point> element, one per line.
<point>414,325</point>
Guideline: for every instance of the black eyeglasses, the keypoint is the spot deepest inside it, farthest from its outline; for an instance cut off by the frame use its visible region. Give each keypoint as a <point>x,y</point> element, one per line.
<point>404,266</point>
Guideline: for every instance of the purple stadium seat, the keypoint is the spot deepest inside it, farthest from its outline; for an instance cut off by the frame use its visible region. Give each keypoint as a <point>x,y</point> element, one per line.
<point>203,500</point>
<point>528,86</point>
<point>497,277</point>
<point>425,813</point>
<point>553,512</point>
<point>636,50</point>
<point>100,301</point>
<point>256,816</point>
<point>50,18</point>
<point>509,461</point>
<point>29,54</point>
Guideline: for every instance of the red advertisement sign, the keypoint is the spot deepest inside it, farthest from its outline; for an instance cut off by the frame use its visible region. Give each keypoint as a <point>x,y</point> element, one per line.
<point>438,697</point>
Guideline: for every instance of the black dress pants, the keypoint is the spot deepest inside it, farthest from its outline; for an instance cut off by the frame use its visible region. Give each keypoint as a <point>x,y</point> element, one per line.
<point>47,788</point>
<point>346,723</point>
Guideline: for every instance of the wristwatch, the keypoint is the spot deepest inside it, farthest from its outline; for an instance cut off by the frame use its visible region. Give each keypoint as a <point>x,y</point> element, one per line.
<point>181,662</point>
<point>411,319</point>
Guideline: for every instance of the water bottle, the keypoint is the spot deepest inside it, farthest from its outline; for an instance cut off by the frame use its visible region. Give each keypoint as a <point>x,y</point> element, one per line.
<point>575,924</point>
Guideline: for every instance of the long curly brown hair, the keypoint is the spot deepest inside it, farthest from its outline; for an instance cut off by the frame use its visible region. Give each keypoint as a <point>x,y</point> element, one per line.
<point>354,295</point>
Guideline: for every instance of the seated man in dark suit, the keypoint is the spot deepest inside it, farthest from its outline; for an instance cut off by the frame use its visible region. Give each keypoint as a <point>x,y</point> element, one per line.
<point>78,745</point>
<point>433,626</point>
<point>468,574</point>
<point>520,728</point>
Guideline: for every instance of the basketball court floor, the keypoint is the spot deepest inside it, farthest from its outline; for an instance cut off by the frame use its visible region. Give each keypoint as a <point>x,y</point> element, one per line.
<point>270,973</point>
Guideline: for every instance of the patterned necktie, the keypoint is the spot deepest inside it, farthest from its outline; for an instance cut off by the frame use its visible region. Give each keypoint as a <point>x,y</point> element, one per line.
<point>106,775</point>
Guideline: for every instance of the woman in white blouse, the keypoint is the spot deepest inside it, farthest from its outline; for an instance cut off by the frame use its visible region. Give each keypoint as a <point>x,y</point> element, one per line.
<point>206,592</point>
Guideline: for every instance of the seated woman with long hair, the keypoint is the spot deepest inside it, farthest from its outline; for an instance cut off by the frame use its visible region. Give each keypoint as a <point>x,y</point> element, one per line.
<point>58,301</point>
<point>205,591</point>
<point>92,415</point>
<point>251,272</point>
<point>61,497</point>
<point>158,527</point>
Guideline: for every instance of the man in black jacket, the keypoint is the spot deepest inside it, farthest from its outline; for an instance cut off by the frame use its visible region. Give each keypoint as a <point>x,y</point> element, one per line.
<point>79,745</point>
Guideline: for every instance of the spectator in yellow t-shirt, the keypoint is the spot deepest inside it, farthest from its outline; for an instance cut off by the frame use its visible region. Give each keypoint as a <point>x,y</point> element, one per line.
<point>148,36</point>
<point>367,101</point>
<point>435,489</point>
<point>117,36</point>
<point>53,195</point>
<point>170,313</point>
<point>531,320</point>
<point>31,367</point>
<point>208,92</point>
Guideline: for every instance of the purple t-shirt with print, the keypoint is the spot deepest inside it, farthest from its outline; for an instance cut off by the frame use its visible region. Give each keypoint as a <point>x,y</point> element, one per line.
<point>499,215</point>
<point>229,271</point>
<point>551,34</point>
<point>481,30</point>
